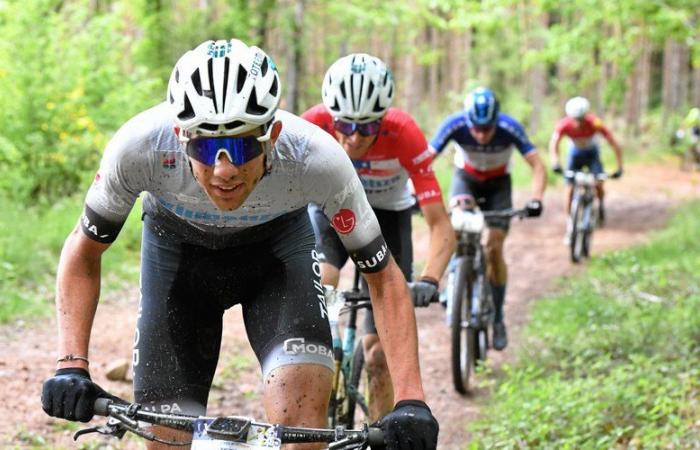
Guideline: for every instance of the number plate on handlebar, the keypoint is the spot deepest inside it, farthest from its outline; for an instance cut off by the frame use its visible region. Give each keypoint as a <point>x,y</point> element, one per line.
<point>234,433</point>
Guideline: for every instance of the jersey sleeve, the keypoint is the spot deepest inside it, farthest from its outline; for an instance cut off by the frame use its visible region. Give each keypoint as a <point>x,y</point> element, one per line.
<point>600,127</point>
<point>517,132</point>
<point>330,181</point>
<point>444,133</point>
<point>417,158</point>
<point>119,181</point>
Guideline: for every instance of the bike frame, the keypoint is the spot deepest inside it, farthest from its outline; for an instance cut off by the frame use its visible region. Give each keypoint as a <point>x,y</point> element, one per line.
<point>582,215</point>
<point>347,352</point>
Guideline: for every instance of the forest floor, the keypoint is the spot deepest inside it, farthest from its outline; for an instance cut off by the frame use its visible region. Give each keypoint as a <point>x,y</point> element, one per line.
<point>638,203</point>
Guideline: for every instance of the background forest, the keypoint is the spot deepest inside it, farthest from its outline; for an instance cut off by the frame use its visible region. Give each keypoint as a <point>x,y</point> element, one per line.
<point>72,71</point>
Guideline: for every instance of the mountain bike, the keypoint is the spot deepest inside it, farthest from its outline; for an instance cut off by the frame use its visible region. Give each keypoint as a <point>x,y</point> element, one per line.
<point>470,307</point>
<point>225,432</point>
<point>350,386</point>
<point>348,379</point>
<point>583,213</point>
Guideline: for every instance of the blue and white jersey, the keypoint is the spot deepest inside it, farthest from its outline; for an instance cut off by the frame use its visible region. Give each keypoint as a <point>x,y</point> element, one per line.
<point>483,161</point>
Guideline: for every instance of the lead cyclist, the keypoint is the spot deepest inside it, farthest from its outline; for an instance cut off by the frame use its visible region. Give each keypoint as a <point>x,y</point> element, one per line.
<point>226,178</point>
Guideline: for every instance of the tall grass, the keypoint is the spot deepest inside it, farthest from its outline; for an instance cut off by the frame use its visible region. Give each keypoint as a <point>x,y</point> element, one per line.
<point>613,360</point>
<point>30,245</point>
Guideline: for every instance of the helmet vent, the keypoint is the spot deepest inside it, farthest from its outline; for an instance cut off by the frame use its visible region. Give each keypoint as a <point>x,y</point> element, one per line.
<point>370,89</point>
<point>197,82</point>
<point>188,112</point>
<point>177,75</point>
<point>227,63</point>
<point>210,94</point>
<point>336,106</point>
<point>253,107</point>
<point>274,87</point>
<point>391,91</point>
<point>240,79</point>
<point>209,126</point>
<point>172,99</point>
<point>342,90</point>
<point>234,124</point>
<point>263,67</point>
<point>377,106</point>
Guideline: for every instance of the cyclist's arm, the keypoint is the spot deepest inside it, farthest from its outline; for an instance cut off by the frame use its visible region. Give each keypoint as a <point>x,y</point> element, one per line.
<point>442,240</point>
<point>554,147</point>
<point>416,158</point>
<point>396,326</point>
<point>605,131</point>
<point>77,292</point>
<point>539,174</point>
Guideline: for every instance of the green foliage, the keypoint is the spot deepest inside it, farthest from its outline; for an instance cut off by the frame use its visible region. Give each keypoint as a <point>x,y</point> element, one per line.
<point>30,245</point>
<point>612,361</point>
<point>64,90</point>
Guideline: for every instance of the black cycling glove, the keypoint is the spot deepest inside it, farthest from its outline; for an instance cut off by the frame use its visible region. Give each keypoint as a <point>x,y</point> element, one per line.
<point>534,208</point>
<point>70,394</point>
<point>423,291</point>
<point>410,426</point>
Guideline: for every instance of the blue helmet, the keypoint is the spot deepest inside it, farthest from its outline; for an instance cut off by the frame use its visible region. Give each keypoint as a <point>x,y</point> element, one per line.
<point>482,107</point>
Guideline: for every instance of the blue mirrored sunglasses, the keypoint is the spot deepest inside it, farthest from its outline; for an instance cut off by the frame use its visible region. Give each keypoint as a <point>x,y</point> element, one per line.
<point>349,128</point>
<point>239,150</point>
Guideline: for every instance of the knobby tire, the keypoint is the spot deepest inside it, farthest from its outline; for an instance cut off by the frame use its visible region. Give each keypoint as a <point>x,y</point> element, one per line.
<point>463,336</point>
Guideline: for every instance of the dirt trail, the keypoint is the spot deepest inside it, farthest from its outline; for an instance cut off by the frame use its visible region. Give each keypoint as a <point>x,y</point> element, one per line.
<point>638,203</point>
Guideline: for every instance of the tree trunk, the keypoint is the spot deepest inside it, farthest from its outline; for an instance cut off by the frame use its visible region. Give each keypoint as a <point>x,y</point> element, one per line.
<point>294,70</point>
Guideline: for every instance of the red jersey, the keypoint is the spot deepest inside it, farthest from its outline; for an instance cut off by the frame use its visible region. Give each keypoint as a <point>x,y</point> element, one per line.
<point>399,152</point>
<point>582,135</point>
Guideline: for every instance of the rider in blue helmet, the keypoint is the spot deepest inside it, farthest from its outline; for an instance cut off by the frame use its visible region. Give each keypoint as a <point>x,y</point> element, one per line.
<point>485,139</point>
<point>482,107</point>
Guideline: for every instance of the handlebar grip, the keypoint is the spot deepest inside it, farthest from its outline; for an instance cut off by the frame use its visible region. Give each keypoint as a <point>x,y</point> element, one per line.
<point>375,437</point>
<point>102,406</point>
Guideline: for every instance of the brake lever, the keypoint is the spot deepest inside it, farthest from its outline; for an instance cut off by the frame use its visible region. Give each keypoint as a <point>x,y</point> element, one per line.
<point>113,427</point>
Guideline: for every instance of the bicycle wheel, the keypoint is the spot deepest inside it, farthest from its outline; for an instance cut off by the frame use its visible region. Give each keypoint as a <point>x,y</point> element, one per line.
<point>356,390</point>
<point>588,224</point>
<point>462,334</point>
<point>577,231</point>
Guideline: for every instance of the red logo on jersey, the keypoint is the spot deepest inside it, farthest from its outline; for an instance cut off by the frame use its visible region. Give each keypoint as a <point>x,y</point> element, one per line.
<point>344,221</point>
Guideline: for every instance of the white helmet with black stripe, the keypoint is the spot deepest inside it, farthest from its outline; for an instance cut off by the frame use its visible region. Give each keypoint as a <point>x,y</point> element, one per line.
<point>358,88</point>
<point>224,88</point>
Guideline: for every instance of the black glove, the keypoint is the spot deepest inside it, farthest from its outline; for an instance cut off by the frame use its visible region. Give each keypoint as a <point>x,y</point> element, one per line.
<point>556,168</point>
<point>423,291</point>
<point>410,425</point>
<point>71,394</point>
<point>534,208</point>
<point>616,174</point>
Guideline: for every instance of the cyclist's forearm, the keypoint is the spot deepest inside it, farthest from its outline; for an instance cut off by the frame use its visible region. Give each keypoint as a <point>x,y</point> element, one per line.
<point>539,175</point>
<point>554,149</point>
<point>442,244</point>
<point>396,326</point>
<point>77,291</point>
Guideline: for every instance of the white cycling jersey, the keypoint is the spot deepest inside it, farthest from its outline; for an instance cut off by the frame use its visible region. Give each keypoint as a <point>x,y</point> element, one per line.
<point>306,165</point>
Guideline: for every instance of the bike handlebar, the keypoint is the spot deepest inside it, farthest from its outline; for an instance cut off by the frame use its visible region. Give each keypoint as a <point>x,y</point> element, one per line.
<point>125,417</point>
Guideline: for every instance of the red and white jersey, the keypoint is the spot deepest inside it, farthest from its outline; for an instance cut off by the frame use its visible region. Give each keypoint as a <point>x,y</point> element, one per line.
<point>399,152</point>
<point>582,135</point>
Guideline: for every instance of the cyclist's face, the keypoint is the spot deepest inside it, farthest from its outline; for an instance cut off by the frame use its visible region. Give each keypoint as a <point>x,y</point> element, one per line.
<point>227,184</point>
<point>355,145</point>
<point>482,135</point>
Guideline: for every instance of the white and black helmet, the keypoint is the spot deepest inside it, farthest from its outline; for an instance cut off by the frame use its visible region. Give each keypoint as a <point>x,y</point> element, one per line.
<point>358,88</point>
<point>577,107</point>
<point>224,88</point>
